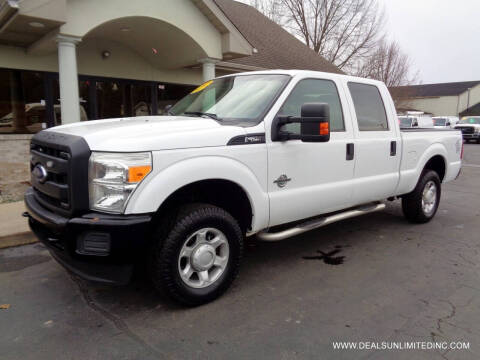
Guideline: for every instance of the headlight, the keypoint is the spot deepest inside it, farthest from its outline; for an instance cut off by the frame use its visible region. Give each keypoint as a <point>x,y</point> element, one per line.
<point>112,178</point>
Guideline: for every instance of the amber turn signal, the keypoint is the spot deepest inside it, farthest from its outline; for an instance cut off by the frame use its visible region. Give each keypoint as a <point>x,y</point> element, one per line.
<point>137,173</point>
<point>324,128</point>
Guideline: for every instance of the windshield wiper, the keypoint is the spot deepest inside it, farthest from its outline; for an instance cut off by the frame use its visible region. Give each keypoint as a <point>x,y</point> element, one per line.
<point>199,113</point>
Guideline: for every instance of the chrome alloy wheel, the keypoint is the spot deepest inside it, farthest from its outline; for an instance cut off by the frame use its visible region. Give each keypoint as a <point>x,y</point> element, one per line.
<point>203,257</point>
<point>429,198</point>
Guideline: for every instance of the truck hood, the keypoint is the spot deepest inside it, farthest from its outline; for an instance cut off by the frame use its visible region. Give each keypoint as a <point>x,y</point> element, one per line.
<point>149,133</point>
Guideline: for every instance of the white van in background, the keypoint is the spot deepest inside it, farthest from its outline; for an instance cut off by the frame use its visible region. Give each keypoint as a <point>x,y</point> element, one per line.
<point>418,120</point>
<point>444,122</point>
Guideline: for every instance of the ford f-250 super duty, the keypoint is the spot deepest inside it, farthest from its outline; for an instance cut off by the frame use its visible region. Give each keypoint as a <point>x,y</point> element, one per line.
<point>237,157</point>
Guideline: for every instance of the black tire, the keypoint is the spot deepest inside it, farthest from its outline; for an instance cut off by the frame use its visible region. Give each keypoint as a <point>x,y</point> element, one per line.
<point>164,269</point>
<point>412,203</point>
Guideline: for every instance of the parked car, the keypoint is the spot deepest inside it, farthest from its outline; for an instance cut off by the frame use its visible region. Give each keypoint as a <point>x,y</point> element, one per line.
<point>413,121</point>
<point>442,122</point>
<point>470,127</point>
<point>271,154</point>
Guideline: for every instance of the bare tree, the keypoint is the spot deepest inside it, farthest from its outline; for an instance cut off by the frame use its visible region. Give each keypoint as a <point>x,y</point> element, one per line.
<point>388,64</point>
<point>343,31</point>
<point>273,9</point>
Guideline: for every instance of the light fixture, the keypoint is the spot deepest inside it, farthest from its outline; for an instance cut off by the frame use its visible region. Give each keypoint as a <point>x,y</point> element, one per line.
<point>36,24</point>
<point>105,54</point>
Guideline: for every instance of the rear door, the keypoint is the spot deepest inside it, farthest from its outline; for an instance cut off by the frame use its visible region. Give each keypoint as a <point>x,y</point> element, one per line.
<point>305,178</point>
<point>377,148</point>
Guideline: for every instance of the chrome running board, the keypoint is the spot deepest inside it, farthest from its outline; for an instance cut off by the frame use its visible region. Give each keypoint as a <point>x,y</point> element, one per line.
<point>319,222</point>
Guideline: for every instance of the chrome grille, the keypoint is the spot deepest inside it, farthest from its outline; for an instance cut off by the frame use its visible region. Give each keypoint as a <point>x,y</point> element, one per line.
<point>55,189</point>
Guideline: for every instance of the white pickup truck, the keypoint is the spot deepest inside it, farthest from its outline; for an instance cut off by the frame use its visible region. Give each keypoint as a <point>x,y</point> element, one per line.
<point>237,157</point>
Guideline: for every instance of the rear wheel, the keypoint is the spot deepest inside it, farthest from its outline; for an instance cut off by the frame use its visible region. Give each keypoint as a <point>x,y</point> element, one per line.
<point>422,203</point>
<point>200,256</point>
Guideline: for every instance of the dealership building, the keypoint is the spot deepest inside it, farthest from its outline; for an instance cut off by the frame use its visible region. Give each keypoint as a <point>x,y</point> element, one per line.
<point>64,61</point>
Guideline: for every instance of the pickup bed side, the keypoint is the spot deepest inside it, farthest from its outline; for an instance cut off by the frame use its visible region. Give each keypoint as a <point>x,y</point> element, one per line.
<point>421,146</point>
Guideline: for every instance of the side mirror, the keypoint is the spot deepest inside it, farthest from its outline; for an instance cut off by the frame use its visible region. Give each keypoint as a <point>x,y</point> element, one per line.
<point>314,123</point>
<point>448,124</point>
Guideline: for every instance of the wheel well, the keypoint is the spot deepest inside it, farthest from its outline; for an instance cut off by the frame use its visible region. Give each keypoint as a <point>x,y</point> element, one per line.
<point>222,193</point>
<point>437,164</point>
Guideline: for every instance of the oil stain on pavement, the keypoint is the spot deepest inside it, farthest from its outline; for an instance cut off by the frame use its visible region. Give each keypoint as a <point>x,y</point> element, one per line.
<point>328,258</point>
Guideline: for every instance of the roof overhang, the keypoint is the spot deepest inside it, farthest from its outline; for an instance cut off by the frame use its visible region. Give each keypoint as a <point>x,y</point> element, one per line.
<point>234,44</point>
<point>22,23</point>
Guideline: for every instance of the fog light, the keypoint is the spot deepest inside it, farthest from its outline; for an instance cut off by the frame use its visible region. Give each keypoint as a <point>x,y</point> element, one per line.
<point>93,243</point>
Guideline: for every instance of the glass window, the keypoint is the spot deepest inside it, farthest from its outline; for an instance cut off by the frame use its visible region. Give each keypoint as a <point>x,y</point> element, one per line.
<point>405,121</point>
<point>110,99</point>
<point>470,120</point>
<point>233,98</point>
<point>22,102</point>
<point>440,121</point>
<point>169,94</point>
<point>313,90</point>
<point>141,96</point>
<point>85,106</point>
<point>371,115</point>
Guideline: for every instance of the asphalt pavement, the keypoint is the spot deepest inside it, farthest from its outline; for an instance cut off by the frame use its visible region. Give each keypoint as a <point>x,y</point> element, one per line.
<point>375,279</point>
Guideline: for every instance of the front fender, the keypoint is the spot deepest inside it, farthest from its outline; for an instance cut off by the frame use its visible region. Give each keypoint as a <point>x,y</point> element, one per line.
<point>157,188</point>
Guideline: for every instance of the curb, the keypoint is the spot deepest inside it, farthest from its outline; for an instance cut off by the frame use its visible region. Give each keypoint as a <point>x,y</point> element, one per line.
<point>19,239</point>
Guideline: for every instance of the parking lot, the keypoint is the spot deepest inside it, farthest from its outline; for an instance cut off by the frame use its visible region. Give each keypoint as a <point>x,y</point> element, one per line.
<point>373,278</point>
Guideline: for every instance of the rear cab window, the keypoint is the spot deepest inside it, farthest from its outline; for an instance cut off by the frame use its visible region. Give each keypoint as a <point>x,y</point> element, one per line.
<point>369,107</point>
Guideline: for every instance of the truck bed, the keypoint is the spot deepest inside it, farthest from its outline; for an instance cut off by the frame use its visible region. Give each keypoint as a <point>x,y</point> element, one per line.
<point>419,145</point>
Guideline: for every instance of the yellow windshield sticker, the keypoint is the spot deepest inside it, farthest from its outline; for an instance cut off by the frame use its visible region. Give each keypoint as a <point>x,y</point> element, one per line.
<point>201,87</point>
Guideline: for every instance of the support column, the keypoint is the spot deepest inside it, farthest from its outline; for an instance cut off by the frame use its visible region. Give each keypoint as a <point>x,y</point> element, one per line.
<point>67,71</point>
<point>19,117</point>
<point>208,68</point>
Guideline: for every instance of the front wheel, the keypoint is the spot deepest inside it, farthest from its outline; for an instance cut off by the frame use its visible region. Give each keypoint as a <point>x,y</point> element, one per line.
<point>422,203</point>
<point>200,257</point>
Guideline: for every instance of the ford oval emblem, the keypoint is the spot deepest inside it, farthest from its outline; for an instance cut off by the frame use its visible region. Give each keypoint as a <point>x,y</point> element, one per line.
<point>40,173</point>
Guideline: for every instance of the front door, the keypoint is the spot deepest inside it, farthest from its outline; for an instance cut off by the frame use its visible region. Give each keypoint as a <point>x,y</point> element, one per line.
<point>307,179</point>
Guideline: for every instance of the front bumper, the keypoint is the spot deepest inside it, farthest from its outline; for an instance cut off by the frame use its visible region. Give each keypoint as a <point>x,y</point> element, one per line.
<point>95,246</point>
<point>473,136</point>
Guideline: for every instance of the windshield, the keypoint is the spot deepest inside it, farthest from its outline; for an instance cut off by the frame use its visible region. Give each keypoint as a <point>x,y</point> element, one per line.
<point>405,121</point>
<point>470,120</point>
<point>439,121</point>
<point>234,98</point>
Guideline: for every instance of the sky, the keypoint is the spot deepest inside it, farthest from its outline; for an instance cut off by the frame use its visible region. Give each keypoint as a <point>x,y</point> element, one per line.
<point>441,37</point>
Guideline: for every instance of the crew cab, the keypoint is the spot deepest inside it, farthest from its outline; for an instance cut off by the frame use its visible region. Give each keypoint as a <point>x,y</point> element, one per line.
<point>470,128</point>
<point>268,154</point>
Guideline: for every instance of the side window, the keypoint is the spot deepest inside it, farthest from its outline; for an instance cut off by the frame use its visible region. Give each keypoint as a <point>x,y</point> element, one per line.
<point>371,115</point>
<point>313,90</point>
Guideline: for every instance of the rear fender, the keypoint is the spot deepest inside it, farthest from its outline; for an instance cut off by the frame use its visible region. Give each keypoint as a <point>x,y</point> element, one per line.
<point>410,177</point>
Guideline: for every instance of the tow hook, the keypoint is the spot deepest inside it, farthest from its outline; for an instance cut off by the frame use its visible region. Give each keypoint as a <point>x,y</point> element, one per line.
<point>26,214</point>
